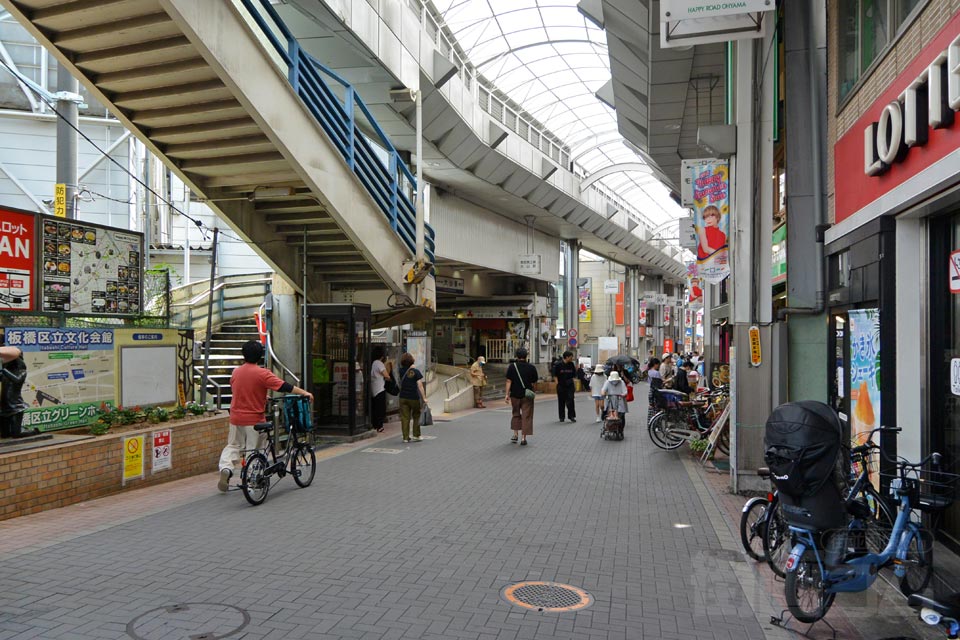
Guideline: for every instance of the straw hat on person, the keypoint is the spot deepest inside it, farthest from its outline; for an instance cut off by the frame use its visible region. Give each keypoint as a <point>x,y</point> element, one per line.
<point>614,376</point>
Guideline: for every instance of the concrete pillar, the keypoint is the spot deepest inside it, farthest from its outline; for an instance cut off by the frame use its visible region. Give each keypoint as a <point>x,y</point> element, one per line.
<point>67,137</point>
<point>634,318</point>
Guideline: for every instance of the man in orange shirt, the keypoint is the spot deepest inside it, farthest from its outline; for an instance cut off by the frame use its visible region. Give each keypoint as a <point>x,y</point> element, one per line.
<point>249,383</point>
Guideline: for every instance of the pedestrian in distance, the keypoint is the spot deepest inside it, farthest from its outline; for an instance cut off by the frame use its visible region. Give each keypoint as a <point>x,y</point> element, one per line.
<point>653,374</point>
<point>479,380</point>
<point>380,372</point>
<point>565,373</point>
<point>681,382</point>
<point>249,385</point>
<point>667,370</point>
<point>597,380</point>
<point>521,377</point>
<point>614,392</point>
<point>413,398</point>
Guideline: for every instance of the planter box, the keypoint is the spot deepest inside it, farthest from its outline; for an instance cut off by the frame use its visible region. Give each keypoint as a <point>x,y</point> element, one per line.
<point>56,476</point>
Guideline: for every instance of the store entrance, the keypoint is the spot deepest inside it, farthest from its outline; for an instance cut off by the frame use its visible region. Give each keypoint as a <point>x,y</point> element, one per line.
<point>943,431</point>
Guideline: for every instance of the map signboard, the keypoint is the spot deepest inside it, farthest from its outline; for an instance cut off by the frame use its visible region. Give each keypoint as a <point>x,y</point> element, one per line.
<point>70,373</point>
<point>17,260</point>
<point>90,269</point>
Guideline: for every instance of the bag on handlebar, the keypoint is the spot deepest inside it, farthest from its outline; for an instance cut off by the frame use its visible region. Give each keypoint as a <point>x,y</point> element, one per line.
<point>802,447</point>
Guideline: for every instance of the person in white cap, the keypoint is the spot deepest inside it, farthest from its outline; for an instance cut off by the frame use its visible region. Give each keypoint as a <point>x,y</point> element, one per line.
<point>597,380</point>
<point>615,393</point>
<point>479,380</point>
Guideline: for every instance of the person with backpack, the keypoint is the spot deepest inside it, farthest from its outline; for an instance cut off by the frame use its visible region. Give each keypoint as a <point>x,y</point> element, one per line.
<point>521,376</point>
<point>413,398</point>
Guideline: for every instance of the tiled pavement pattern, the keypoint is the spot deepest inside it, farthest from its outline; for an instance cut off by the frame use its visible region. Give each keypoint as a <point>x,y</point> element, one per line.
<point>412,545</point>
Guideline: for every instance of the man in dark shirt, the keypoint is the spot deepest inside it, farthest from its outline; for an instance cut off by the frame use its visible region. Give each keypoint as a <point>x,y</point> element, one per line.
<point>565,372</point>
<point>521,376</point>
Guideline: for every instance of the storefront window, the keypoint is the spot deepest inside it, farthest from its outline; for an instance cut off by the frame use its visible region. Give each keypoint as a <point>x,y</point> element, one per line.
<point>943,431</point>
<point>866,28</point>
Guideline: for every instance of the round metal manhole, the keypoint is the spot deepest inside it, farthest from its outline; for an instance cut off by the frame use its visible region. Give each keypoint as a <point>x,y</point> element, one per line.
<point>189,621</point>
<point>546,596</point>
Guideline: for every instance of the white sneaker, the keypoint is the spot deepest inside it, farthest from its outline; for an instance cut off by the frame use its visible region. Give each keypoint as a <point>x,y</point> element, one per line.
<point>598,419</point>
<point>224,483</point>
<point>415,439</point>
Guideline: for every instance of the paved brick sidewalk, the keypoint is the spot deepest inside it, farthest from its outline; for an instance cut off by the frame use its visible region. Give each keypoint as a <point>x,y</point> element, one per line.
<point>415,544</point>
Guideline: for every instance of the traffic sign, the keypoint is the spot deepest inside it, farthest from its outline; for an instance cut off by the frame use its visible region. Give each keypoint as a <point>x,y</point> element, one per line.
<point>955,272</point>
<point>572,342</point>
<point>573,333</point>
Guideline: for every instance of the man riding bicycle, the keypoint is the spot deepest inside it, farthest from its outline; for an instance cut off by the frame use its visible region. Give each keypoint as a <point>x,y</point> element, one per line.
<point>249,384</point>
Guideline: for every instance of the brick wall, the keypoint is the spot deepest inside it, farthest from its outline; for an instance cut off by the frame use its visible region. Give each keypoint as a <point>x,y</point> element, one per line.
<point>904,50</point>
<point>51,477</point>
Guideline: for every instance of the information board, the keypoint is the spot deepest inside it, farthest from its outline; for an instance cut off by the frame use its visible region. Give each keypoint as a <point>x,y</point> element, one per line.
<point>18,249</point>
<point>90,269</point>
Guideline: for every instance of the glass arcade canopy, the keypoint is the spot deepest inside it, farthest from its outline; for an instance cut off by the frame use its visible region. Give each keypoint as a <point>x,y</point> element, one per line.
<point>546,56</point>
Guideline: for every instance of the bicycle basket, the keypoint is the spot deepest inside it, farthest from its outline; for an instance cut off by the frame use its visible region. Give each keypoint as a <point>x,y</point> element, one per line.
<point>668,399</point>
<point>296,410</point>
<point>928,490</point>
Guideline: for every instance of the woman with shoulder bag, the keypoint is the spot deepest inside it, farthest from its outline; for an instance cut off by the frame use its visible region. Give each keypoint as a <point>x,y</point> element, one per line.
<point>521,376</point>
<point>412,399</point>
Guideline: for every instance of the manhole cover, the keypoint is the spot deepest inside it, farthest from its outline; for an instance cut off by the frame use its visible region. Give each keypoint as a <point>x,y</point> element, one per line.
<point>724,554</point>
<point>189,621</point>
<point>546,596</point>
<point>378,450</point>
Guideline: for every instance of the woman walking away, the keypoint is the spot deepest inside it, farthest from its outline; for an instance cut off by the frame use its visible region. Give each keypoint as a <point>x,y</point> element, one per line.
<point>411,397</point>
<point>597,380</point>
<point>615,393</point>
<point>379,374</point>
<point>521,376</point>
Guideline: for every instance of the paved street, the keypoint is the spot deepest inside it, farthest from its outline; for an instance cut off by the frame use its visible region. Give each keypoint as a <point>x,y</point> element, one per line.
<point>414,544</point>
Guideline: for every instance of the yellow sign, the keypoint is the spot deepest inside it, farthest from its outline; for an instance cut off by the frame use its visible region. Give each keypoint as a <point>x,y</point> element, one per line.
<point>755,354</point>
<point>60,200</point>
<point>132,458</point>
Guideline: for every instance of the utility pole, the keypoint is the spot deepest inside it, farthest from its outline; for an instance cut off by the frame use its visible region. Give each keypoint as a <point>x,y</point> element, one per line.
<point>68,90</point>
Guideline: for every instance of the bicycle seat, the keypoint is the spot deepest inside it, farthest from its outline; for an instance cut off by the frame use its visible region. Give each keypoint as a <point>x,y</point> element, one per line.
<point>948,607</point>
<point>928,503</point>
<point>764,472</point>
<point>263,426</point>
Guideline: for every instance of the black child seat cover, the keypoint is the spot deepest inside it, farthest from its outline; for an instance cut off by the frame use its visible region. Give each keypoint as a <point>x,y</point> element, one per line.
<point>802,446</point>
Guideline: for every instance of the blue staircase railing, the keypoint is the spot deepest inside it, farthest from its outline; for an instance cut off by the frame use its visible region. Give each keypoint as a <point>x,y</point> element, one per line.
<point>392,185</point>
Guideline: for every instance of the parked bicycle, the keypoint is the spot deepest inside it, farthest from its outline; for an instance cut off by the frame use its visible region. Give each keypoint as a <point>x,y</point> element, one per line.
<point>812,582</point>
<point>297,458</point>
<point>678,420</point>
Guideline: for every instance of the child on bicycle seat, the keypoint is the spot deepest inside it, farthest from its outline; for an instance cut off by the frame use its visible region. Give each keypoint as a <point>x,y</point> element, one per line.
<point>249,385</point>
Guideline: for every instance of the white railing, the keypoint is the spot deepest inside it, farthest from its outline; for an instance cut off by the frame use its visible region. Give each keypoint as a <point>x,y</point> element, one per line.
<point>501,350</point>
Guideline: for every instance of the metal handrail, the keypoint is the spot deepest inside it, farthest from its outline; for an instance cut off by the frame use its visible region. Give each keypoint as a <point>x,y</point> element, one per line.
<point>206,292</point>
<point>217,385</point>
<point>387,185</point>
<point>446,386</point>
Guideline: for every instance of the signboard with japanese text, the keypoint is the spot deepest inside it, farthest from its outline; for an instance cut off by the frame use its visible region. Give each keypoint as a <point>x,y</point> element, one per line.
<point>162,451</point>
<point>60,200</point>
<point>666,316</point>
<point>89,269</point>
<point>711,216</point>
<point>70,372</point>
<point>618,306</point>
<point>529,264</point>
<point>756,357</point>
<point>585,300</point>
<point>955,376</point>
<point>18,251</point>
<point>611,286</point>
<point>864,372</point>
<point>954,278</point>
<point>447,284</point>
<point>132,458</point>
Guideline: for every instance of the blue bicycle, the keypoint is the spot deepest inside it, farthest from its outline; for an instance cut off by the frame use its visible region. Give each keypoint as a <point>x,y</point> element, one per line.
<point>811,584</point>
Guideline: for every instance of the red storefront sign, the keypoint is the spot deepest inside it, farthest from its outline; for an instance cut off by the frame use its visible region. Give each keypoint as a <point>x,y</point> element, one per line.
<point>17,260</point>
<point>618,307</point>
<point>893,141</point>
<point>668,346</point>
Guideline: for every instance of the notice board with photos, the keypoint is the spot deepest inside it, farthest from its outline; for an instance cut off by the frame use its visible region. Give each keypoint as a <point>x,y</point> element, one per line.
<point>88,269</point>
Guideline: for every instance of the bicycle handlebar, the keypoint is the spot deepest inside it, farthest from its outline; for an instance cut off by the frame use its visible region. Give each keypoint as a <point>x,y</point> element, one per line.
<point>903,464</point>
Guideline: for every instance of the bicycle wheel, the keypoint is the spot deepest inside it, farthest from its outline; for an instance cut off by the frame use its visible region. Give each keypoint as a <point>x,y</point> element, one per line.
<point>253,479</point>
<point>723,442</point>
<point>753,526</point>
<point>803,588</point>
<point>659,431</point>
<point>918,562</point>
<point>878,529</point>
<point>776,539</point>
<point>303,465</point>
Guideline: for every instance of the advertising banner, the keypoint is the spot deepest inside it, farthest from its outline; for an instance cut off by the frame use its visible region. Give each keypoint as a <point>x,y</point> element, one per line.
<point>864,372</point>
<point>711,217</point>
<point>90,269</point>
<point>585,294</point>
<point>69,373</point>
<point>18,249</point>
<point>618,308</point>
<point>643,313</point>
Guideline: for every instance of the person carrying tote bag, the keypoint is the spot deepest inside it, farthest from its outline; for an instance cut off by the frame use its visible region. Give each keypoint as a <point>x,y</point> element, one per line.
<point>413,398</point>
<point>521,376</point>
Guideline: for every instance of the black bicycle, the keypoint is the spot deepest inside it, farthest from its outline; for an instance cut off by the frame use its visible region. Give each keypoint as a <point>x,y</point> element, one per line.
<point>297,458</point>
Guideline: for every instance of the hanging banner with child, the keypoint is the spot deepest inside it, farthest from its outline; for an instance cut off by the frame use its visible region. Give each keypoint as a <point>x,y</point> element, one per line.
<point>710,185</point>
